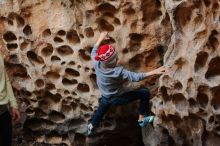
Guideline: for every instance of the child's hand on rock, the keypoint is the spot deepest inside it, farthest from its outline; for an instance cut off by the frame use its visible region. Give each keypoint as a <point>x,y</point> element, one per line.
<point>157,71</point>
<point>160,70</point>
<point>104,35</point>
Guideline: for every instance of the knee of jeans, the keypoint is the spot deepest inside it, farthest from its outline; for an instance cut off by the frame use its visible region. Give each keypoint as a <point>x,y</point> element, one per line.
<point>99,114</point>
<point>146,92</point>
<point>103,100</point>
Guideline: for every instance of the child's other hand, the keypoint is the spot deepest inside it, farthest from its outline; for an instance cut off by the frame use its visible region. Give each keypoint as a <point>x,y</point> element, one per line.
<point>160,70</point>
<point>157,71</point>
<point>104,35</point>
<point>107,37</point>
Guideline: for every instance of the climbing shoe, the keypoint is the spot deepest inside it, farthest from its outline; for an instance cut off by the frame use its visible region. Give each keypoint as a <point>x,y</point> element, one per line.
<point>146,120</point>
<point>90,130</point>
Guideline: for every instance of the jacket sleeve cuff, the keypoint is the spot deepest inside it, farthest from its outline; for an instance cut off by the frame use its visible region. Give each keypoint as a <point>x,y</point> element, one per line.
<point>14,105</point>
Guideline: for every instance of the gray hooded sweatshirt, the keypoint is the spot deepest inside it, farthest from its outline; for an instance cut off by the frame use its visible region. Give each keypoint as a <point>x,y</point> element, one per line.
<point>110,80</point>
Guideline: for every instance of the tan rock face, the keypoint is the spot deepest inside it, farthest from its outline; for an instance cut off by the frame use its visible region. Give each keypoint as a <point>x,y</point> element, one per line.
<point>53,77</point>
<point>187,104</point>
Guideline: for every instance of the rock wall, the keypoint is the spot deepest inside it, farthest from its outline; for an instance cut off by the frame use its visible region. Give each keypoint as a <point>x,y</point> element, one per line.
<point>187,105</point>
<point>51,70</point>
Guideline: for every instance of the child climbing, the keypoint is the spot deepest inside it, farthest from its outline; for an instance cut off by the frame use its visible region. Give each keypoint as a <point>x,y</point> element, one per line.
<point>110,83</point>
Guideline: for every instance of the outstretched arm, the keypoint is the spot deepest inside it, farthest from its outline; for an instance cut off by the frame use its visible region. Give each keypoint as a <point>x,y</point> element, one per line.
<point>135,77</point>
<point>132,76</point>
<point>103,36</point>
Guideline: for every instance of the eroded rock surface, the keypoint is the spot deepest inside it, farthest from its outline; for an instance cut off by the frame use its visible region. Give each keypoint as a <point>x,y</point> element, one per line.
<point>188,101</point>
<point>54,80</point>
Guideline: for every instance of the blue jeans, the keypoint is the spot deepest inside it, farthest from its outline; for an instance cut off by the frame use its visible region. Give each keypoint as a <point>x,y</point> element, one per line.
<point>104,104</point>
